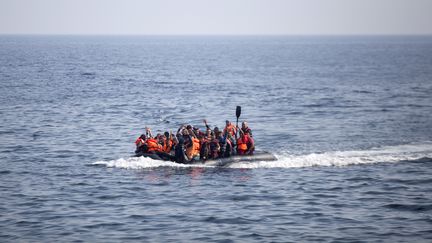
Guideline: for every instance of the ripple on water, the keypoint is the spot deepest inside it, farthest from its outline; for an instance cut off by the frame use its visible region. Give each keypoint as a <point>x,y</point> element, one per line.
<point>233,220</point>
<point>409,207</point>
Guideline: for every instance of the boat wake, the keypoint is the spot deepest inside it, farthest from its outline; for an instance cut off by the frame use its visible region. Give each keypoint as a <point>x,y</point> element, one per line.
<point>388,154</point>
<point>142,163</point>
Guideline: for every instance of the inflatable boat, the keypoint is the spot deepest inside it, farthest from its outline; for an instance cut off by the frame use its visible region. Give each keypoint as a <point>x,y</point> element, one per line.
<point>257,156</point>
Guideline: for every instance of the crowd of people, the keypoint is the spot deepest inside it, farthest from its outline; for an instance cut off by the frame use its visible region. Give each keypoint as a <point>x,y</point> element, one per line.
<point>191,144</point>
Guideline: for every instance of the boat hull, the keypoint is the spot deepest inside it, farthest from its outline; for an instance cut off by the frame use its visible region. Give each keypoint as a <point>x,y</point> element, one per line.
<point>257,156</point>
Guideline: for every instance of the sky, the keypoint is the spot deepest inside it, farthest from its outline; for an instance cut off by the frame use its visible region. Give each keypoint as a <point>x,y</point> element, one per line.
<point>216,17</point>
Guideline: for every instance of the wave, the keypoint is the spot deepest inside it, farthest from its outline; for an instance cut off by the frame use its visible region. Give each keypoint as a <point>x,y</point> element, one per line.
<point>388,154</point>
<point>142,163</point>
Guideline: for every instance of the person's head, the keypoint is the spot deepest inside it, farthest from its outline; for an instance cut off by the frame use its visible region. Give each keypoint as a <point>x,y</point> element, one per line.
<point>189,127</point>
<point>185,132</point>
<point>244,124</point>
<point>227,122</point>
<point>143,136</point>
<point>167,134</point>
<point>208,131</point>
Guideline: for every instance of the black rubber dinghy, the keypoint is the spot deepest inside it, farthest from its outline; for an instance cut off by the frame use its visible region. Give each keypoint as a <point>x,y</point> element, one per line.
<point>257,156</point>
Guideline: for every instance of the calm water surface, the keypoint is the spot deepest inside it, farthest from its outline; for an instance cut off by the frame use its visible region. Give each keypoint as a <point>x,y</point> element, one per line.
<point>349,118</point>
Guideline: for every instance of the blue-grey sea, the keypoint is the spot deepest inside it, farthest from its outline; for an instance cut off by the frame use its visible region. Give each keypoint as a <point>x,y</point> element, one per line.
<point>349,119</point>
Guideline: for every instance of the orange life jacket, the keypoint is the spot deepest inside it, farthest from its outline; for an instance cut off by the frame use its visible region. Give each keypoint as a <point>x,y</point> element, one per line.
<point>167,145</point>
<point>153,145</point>
<point>241,145</point>
<point>197,145</point>
<point>193,150</point>
<point>230,129</point>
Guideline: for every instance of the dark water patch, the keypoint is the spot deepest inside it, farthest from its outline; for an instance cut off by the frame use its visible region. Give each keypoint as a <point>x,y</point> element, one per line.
<point>139,238</point>
<point>110,225</point>
<point>88,74</point>
<point>109,197</point>
<point>234,220</point>
<point>420,160</point>
<point>6,132</point>
<point>336,188</point>
<point>141,218</point>
<point>24,223</point>
<point>362,91</point>
<point>337,205</point>
<point>5,172</point>
<point>16,148</point>
<point>409,207</point>
<point>323,195</point>
<point>359,178</point>
<point>80,184</point>
<point>240,198</point>
<point>378,192</point>
<point>253,236</point>
<point>203,239</point>
<point>419,181</point>
<point>59,166</point>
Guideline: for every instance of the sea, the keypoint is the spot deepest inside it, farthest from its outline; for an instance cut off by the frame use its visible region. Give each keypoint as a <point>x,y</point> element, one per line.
<point>349,119</point>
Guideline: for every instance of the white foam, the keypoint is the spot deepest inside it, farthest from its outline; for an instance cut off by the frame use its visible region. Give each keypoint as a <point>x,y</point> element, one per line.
<point>142,163</point>
<point>286,160</point>
<point>344,158</point>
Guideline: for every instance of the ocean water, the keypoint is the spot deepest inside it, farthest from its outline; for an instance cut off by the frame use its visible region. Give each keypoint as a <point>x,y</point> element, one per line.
<point>349,119</point>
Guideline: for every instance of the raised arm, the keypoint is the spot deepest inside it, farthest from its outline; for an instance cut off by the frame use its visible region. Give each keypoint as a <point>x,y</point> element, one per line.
<point>205,123</point>
<point>148,132</point>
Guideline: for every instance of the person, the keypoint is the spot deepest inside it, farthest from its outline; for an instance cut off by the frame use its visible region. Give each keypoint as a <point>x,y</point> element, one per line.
<point>217,132</point>
<point>153,145</point>
<point>245,129</point>
<point>229,128</point>
<point>140,143</point>
<point>225,144</point>
<point>167,142</point>
<point>245,144</point>
<point>229,132</point>
<point>189,145</point>
<point>179,151</point>
<point>214,147</point>
<point>204,147</point>
<point>148,132</point>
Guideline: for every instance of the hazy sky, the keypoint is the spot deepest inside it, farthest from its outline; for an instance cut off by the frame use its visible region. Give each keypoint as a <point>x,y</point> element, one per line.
<point>177,17</point>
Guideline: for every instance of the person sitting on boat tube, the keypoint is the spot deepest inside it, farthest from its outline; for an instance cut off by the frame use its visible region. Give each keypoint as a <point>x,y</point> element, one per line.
<point>214,147</point>
<point>167,143</point>
<point>192,144</point>
<point>245,129</point>
<point>141,144</point>
<point>245,144</point>
<point>229,132</point>
<point>153,145</point>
